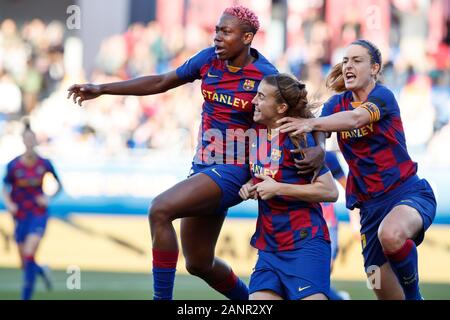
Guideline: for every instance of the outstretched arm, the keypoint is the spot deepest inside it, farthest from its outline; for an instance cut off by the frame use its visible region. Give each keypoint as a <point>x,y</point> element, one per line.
<point>341,121</point>
<point>138,87</point>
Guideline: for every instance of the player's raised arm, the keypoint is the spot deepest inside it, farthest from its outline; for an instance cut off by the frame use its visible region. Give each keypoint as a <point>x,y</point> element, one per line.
<point>141,86</point>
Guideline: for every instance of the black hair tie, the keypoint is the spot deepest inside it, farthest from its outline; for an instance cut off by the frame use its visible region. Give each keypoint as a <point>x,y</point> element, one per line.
<point>300,85</point>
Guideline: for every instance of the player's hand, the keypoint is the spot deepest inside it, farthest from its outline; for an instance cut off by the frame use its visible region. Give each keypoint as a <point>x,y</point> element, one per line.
<point>313,159</point>
<point>295,125</point>
<point>246,193</point>
<point>82,92</point>
<point>42,200</point>
<point>266,189</point>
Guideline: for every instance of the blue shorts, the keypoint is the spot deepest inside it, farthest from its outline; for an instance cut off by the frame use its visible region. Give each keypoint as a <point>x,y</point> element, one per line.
<point>334,241</point>
<point>295,274</point>
<point>414,192</point>
<point>30,225</point>
<point>230,178</point>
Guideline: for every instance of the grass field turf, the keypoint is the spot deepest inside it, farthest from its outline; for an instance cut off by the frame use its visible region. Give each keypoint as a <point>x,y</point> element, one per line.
<point>138,286</point>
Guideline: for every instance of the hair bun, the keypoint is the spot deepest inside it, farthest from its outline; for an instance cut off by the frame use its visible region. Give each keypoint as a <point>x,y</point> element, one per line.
<point>300,85</point>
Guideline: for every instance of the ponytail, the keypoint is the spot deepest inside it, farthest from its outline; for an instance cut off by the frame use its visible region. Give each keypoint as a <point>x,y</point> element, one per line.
<point>335,80</point>
<point>294,94</point>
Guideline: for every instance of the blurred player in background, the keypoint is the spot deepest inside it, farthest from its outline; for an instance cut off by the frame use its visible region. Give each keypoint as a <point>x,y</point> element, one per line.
<point>25,200</point>
<point>230,73</point>
<point>329,213</point>
<point>291,234</point>
<point>397,207</point>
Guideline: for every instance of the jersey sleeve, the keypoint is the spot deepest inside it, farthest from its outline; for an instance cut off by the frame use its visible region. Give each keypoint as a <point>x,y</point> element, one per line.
<point>323,170</point>
<point>310,142</point>
<point>333,164</point>
<point>380,103</point>
<point>8,178</point>
<point>305,143</point>
<point>190,69</point>
<point>51,169</point>
<point>329,106</point>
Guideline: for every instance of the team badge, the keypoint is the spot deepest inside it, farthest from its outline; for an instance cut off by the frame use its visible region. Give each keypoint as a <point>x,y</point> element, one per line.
<point>303,234</point>
<point>275,154</point>
<point>249,85</point>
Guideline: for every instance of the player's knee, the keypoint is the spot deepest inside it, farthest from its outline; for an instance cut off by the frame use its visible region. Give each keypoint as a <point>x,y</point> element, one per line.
<point>391,238</point>
<point>198,267</point>
<point>159,211</point>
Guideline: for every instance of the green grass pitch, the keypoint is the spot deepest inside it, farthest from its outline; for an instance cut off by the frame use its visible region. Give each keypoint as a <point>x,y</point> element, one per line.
<point>138,286</point>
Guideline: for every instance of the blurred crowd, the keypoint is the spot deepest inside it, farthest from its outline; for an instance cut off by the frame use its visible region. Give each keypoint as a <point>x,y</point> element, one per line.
<point>33,83</point>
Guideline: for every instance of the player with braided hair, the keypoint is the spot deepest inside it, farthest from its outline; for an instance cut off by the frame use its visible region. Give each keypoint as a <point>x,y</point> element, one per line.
<point>230,72</point>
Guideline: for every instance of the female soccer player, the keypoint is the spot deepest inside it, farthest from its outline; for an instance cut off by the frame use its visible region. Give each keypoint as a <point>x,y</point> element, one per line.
<point>291,234</point>
<point>396,206</point>
<point>26,201</point>
<point>230,73</point>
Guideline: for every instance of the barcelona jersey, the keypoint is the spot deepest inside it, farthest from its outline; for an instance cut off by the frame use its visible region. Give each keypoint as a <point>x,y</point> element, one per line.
<point>227,109</point>
<point>284,223</point>
<point>376,153</point>
<point>26,183</point>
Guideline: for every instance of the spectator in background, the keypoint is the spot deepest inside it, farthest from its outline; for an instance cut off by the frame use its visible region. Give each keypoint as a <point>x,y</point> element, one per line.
<point>146,49</point>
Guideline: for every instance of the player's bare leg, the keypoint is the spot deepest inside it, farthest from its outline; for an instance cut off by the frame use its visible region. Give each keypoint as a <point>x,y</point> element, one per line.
<point>196,196</point>
<point>265,295</point>
<point>317,296</point>
<point>396,234</point>
<point>20,246</point>
<point>199,237</point>
<point>401,224</point>
<point>389,288</point>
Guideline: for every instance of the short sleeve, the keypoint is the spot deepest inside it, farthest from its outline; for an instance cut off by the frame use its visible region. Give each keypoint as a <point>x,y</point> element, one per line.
<point>51,169</point>
<point>329,106</point>
<point>190,69</point>
<point>380,103</point>
<point>310,142</point>
<point>323,170</point>
<point>333,164</point>
<point>8,178</point>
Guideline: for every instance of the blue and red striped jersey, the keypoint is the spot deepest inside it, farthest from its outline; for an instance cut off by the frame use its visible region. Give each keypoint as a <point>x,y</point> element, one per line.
<point>26,184</point>
<point>283,222</point>
<point>376,154</point>
<point>228,92</point>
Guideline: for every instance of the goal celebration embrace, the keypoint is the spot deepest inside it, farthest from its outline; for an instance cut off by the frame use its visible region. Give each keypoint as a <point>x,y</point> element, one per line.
<point>225,150</point>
